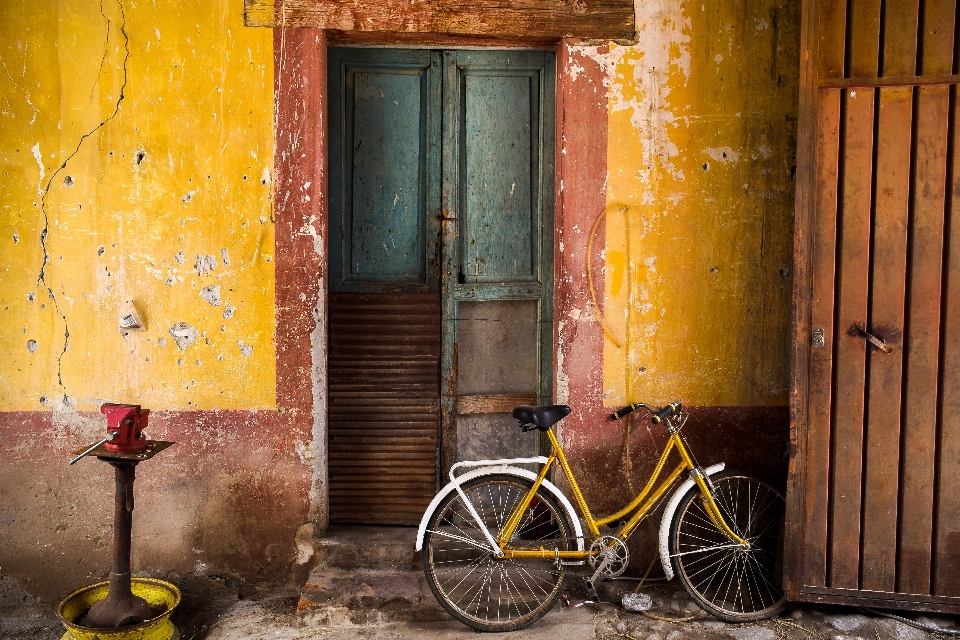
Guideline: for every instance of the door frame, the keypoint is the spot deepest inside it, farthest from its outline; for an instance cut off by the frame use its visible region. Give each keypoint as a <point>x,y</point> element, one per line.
<point>301,196</point>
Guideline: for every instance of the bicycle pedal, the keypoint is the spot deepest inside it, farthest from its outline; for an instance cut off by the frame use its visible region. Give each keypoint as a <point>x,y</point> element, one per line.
<point>573,563</point>
<point>591,591</point>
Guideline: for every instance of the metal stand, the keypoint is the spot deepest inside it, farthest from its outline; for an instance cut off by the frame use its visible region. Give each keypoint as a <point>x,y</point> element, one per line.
<point>121,608</point>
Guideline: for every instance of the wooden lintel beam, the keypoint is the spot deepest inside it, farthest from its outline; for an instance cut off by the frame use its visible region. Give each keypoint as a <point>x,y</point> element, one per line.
<point>586,19</point>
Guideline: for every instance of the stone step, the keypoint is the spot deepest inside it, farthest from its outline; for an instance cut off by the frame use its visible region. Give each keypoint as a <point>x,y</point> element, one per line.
<point>371,548</point>
<point>342,597</point>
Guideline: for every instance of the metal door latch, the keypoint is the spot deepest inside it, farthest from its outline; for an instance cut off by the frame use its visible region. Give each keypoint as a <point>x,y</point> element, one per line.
<point>879,343</point>
<point>818,337</point>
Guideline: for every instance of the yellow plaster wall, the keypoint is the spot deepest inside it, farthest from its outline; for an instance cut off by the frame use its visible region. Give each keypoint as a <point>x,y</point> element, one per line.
<point>136,150</point>
<point>702,137</point>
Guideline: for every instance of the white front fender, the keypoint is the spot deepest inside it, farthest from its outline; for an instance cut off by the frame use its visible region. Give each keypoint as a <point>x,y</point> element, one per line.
<point>668,512</point>
<point>507,470</point>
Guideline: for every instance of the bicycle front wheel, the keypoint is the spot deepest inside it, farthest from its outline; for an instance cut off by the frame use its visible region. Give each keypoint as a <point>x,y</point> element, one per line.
<point>733,583</point>
<point>469,581</point>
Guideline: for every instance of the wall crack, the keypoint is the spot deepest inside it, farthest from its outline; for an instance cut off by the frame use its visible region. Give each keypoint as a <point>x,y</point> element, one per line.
<point>42,276</point>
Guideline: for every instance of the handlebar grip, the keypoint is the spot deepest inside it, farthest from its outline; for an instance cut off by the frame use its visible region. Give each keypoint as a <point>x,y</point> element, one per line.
<point>621,413</point>
<point>671,409</point>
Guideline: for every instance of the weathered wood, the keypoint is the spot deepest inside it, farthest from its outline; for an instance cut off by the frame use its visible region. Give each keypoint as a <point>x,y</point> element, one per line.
<point>889,260</point>
<point>871,82</point>
<point>937,25</point>
<point>863,43</point>
<point>501,403</point>
<point>600,19</point>
<point>831,38</point>
<point>383,171</point>
<point>876,474</point>
<point>849,383</point>
<point>900,38</point>
<point>922,341</point>
<point>821,358</point>
<point>946,567</point>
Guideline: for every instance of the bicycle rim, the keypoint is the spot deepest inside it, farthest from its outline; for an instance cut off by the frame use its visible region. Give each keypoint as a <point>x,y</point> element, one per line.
<point>726,580</point>
<point>475,587</point>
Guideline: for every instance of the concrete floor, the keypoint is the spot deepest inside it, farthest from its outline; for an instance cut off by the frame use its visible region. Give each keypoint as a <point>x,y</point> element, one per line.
<point>277,618</point>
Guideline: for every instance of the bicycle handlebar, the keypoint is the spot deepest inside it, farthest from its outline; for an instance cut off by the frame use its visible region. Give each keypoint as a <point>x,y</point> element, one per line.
<point>671,409</point>
<point>622,413</point>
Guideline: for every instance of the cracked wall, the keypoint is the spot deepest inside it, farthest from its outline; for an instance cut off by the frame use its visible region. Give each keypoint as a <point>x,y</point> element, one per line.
<point>137,164</point>
<point>137,160</point>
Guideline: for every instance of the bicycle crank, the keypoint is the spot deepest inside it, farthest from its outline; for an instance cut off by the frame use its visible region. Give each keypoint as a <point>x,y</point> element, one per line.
<point>610,556</point>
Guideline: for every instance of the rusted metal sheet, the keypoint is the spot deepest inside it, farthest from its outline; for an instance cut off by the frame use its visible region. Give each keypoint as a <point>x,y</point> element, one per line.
<point>878,378</point>
<point>383,405</point>
<point>595,19</point>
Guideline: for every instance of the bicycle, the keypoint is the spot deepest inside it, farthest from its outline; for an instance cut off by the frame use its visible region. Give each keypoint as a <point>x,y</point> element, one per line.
<point>497,539</point>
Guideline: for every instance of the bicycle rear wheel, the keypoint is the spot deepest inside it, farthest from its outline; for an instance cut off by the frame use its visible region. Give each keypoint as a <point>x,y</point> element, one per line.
<point>724,579</point>
<point>474,586</point>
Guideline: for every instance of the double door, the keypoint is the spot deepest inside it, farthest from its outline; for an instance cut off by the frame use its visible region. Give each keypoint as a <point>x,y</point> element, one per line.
<point>441,214</point>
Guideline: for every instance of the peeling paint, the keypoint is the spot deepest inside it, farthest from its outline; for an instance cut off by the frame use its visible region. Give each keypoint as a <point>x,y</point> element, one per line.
<point>183,335</point>
<point>211,294</point>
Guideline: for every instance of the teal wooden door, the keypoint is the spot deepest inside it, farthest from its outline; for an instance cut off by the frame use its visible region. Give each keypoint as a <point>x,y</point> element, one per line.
<point>498,148</point>
<point>384,319</point>
<point>426,360</point>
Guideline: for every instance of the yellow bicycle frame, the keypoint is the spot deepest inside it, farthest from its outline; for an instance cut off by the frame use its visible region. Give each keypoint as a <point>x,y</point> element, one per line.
<point>640,506</point>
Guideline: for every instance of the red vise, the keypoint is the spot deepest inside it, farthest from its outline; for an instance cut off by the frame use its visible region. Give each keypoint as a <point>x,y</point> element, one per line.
<point>127,421</point>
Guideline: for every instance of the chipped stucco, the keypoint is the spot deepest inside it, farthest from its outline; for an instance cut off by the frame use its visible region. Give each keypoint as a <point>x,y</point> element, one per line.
<point>136,155</point>
<point>694,271</point>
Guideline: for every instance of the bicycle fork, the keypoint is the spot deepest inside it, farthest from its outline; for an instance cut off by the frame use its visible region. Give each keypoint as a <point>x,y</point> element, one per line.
<point>710,506</point>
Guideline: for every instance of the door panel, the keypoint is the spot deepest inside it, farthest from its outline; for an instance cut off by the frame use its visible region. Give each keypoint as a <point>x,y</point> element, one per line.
<point>384,176</point>
<point>875,517</point>
<point>498,247</point>
<point>383,396</point>
<point>499,158</point>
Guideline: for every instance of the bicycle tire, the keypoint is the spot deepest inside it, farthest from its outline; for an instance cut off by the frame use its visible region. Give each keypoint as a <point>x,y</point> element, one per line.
<point>725,580</point>
<point>478,589</point>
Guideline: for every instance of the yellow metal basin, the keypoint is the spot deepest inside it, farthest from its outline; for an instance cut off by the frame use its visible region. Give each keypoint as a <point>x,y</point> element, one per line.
<point>159,594</point>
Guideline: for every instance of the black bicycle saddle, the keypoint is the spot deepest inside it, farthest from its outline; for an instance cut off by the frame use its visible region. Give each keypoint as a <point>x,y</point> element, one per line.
<point>541,417</point>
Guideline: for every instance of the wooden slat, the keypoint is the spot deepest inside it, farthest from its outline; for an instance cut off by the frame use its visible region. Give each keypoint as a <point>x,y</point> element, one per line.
<point>821,358</point>
<point>937,23</point>
<point>502,403</point>
<point>863,44</point>
<point>946,570</point>
<point>922,341</point>
<point>889,258</point>
<point>900,37</point>
<point>888,81</point>
<point>851,291</point>
<point>831,38</point>
<point>602,19</point>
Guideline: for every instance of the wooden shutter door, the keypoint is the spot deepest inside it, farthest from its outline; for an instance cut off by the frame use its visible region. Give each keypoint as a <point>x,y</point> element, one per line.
<point>875,480</point>
<point>384,328</point>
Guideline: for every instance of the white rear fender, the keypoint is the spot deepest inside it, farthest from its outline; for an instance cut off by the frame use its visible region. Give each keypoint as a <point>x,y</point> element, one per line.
<point>671,509</point>
<point>506,470</point>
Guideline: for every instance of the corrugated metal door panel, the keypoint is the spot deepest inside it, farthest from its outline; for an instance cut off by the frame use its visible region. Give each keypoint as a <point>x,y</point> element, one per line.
<point>383,405</point>
<point>875,488</point>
